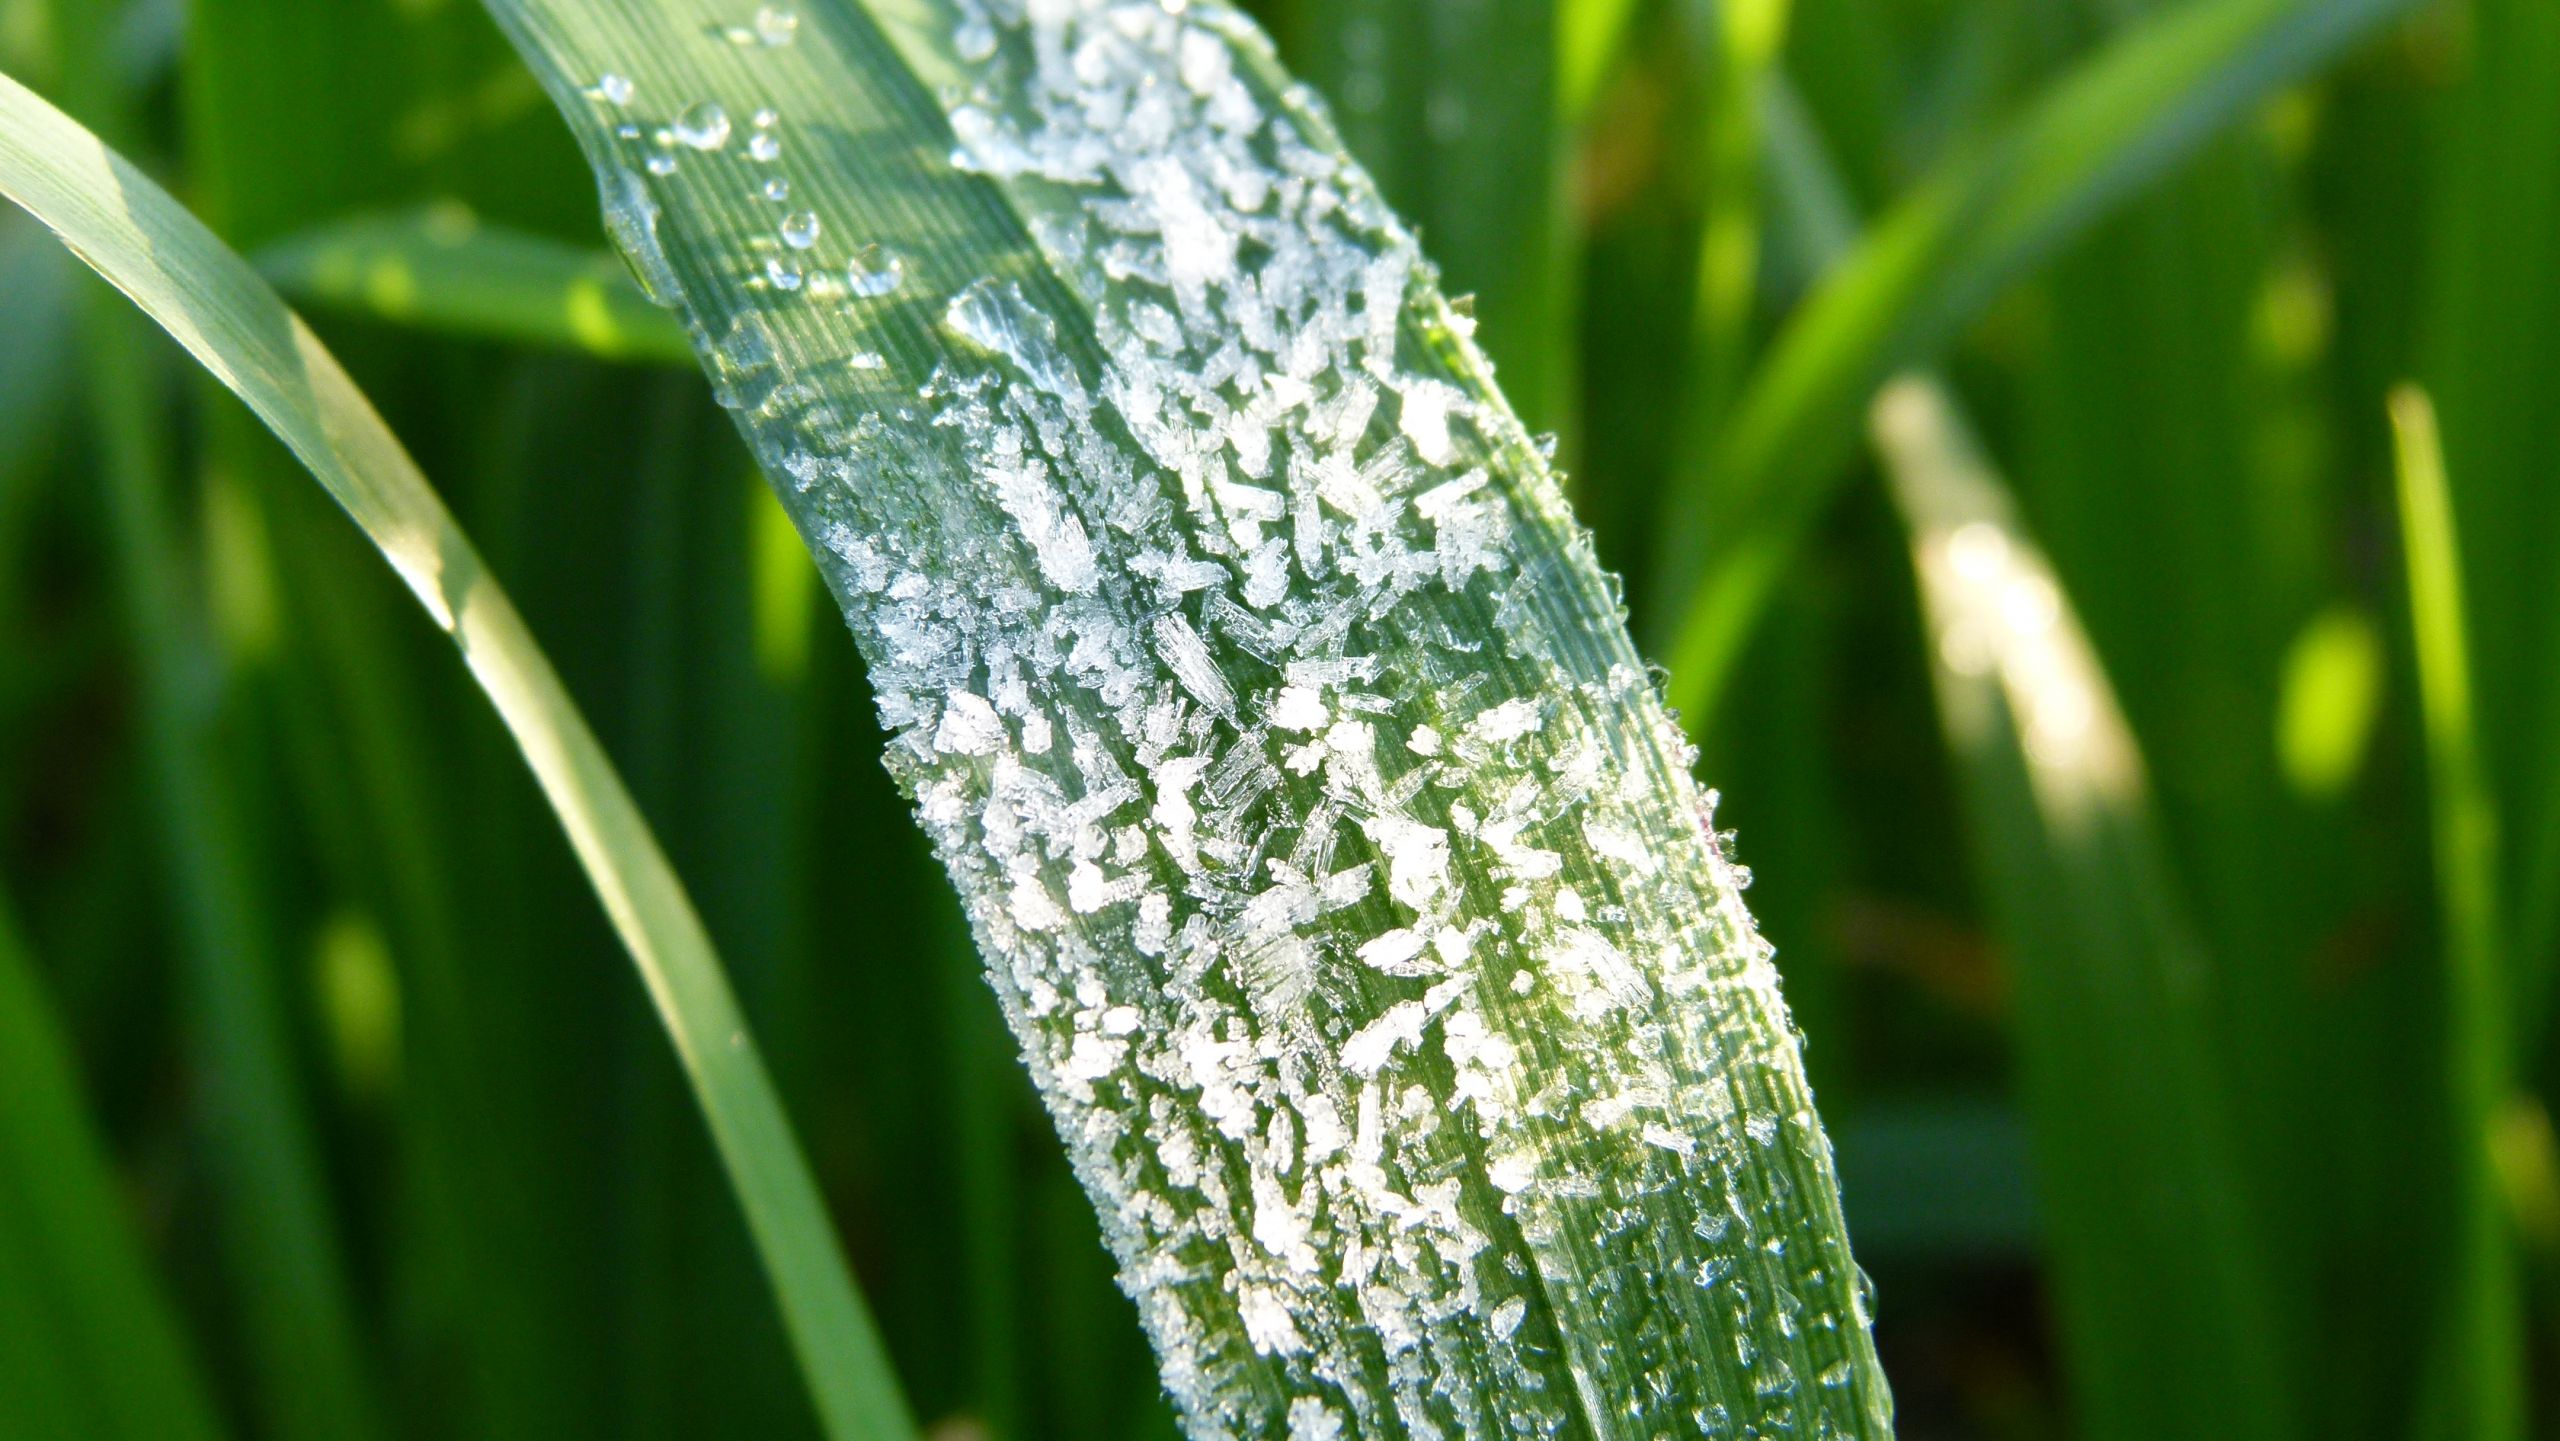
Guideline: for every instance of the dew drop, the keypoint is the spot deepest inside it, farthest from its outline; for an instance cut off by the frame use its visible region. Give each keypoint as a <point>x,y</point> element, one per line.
<point>704,126</point>
<point>662,165</point>
<point>800,229</point>
<point>781,276</point>
<point>767,118</point>
<point>872,276</point>
<point>776,26</point>
<point>866,360</point>
<point>764,147</point>
<point>777,190</point>
<point>611,88</point>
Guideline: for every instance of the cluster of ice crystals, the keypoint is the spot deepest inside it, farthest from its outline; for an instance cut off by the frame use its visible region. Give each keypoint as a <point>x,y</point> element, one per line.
<point>1334,859</point>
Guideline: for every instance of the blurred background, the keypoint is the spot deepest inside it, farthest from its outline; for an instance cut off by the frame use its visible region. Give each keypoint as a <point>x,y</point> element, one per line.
<point>2171,941</point>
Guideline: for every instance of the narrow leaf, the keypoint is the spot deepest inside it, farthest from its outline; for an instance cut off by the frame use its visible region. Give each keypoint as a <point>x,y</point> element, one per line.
<point>444,269</point>
<point>2476,1385</point>
<point>132,233</point>
<point>1333,859</point>
<point>2165,1311</point>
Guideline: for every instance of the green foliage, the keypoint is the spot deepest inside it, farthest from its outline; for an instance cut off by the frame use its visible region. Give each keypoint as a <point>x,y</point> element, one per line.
<point>2176,974</point>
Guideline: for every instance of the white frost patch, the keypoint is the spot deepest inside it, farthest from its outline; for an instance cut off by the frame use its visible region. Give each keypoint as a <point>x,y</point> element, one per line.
<point>1425,421</point>
<point>1417,858</point>
<point>1312,1420</point>
<point>1267,1322</point>
<point>1300,708</point>
<point>970,726</point>
<point>1508,1316</point>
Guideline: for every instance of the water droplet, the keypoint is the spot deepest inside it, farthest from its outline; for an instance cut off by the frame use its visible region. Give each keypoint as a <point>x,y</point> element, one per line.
<point>627,130</point>
<point>777,26</point>
<point>800,229</point>
<point>866,360</point>
<point>662,165</point>
<point>767,118</point>
<point>612,89</point>
<point>765,148</point>
<point>867,275</point>
<point>781,276</point>
<point>777,190</point>
<point>704,126</point>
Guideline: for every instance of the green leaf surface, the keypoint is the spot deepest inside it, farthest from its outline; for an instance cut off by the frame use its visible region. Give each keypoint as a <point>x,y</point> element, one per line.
<point>2098,134</point>
<point>1333,859</point>
<point>444,269</point>
<point>215,306</point>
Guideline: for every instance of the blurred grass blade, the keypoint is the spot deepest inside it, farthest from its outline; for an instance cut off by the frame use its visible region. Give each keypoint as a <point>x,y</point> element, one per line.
<point>2165,1313</point>
<point>2102,131</point>
<point>1747,37</point>
<point>444,269</point>
<point>2491,329</point>
<point>282,1246</point>
<point>212,303</point>
<point>2475,1382</point>
<point>1336,866</point>
<point>126,1364</point>
<point>1589,34</point>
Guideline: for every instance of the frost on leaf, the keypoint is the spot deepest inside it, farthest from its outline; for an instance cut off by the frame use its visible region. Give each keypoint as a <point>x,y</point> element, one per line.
<point>1333,858</point>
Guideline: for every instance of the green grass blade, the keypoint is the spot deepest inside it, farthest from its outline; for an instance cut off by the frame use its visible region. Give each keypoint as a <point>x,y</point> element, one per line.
<point>2476,1382</point>
<point>2111,125</point>
<point>1748,36</point>
<point>282,1246</point>
<point>2166,1312</point>
<point>214,305</point>
<point>2490,326</point>
<point>1352,906</point>
<point>60,1203</point>
<point>444,269</point>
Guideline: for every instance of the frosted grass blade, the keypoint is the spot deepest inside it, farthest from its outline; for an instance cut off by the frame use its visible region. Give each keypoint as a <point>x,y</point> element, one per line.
<point>132,233</point>
<point>1332,857</point>
<point>2475,1384</point>
<point>2097,135</point>
<point>445,269</point>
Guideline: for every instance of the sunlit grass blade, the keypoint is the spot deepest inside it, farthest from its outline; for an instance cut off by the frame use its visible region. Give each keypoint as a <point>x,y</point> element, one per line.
<point>2489,330</point>
<point>2117,121</point>
<point>91,1287</point>
<point>214,305</point>
<point>2165,1311</point>
<point>444,269</point>
<point>2475,1384</point>
<point>1351,904</point>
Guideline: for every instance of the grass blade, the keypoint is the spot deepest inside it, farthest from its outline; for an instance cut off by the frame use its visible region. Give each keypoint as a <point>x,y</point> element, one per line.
<point>1276,816</point>
<point>214,305</point>
<point>444,269</point>
<point>2165,1314</point>
<point>95,1296</point>
<point>2120,119</point>
<point>2476,1383</point>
